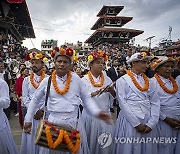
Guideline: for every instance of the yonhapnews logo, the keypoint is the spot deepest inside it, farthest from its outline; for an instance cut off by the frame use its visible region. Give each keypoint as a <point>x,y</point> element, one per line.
<point>105,140</point>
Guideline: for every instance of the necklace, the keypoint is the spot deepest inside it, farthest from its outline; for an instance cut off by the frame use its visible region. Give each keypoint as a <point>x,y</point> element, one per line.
<point>175,86</point>
<point>54,82</point>
<point>92,80</point>
<point>32,79</point>
<point>146,86</point>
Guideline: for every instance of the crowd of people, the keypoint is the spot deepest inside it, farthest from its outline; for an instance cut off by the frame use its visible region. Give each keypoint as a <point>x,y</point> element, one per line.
<point>81,95</point>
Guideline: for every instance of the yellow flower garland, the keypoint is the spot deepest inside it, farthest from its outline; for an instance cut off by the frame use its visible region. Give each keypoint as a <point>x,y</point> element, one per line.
<point>92,80</point>
<point>175,86</point>
<point>66,88</point>
<point>146,86</point>
<point>38,56</point>
<point>32,79</point>
<point>62,135</point>
<point>90,58</point>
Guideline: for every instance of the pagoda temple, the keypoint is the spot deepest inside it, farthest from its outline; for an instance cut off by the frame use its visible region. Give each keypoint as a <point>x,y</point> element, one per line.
<point>109,27</point>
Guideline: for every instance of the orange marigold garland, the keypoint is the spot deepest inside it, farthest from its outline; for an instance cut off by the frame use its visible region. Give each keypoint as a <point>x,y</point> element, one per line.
<point>59,139</point>
<point>32,79</point>
<point>50,140</point>
<point>70,145</point>
<point>49,137</point>
<point>146,86</point>
<point>92,80</point>
<point>175,86</point>
<point>62,135</point>
<point>66,88</point>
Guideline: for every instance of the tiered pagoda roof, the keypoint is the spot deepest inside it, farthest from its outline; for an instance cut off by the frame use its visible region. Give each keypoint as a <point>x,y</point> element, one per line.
<point>115,21</point>
<point>112,35</point>
<point>109,27</point>
<point>110,10</point>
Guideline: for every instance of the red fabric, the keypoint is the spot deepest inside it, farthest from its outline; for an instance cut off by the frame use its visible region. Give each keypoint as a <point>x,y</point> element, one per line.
<point>18,91</point>
<point>15,1</point>
<point>27,58</point>
<point>18,86</point>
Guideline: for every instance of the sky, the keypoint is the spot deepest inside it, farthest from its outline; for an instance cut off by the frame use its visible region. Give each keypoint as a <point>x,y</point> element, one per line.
<point>70,20</point>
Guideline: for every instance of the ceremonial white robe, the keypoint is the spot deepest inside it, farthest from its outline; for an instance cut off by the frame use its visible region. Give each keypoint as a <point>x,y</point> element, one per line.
<point>63,109</point>
<point>7,144</point>
<point>170,107</point>
<point>27,142</point>
<point>95,127</point>
<point>136,108</point>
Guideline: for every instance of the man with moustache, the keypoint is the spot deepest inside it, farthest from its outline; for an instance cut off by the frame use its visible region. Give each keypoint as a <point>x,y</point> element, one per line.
<point>30,84</point>
<point>65,92</point>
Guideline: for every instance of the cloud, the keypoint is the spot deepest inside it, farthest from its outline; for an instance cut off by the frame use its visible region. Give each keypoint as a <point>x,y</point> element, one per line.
<point>150,9</point>
<point>71,20</point>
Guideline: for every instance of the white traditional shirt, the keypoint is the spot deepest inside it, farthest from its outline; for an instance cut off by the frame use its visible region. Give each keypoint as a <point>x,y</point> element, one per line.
<point>28,89</point>
<point>136,104</point>
<point>4,102</point>
<point>170,103</point>
<point>63,106</point>
<point>105,100</point>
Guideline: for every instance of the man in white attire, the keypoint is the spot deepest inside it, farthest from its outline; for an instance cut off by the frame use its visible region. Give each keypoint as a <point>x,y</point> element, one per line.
<point>168,91</point>
<point>96,81</point>
<point>30,84</point>
<point>140,108</point>
<point>65,90</point>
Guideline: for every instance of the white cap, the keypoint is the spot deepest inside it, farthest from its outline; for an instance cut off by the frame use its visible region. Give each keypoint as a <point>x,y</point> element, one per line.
<point>137,57</point>
<point>161,61</point>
